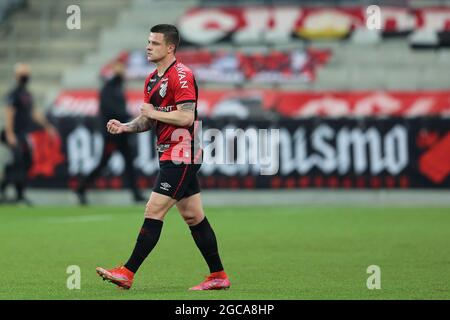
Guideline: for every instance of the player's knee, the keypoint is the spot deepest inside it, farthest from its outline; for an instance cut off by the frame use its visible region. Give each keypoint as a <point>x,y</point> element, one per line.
<point>153,211</point>
<point>192,219</point>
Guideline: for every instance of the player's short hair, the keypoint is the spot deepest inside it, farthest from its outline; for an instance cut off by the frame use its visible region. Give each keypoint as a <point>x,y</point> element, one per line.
<point>170,32</point>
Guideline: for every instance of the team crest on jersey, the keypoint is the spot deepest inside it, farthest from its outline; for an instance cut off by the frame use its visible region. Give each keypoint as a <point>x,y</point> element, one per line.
<point>163,89</point>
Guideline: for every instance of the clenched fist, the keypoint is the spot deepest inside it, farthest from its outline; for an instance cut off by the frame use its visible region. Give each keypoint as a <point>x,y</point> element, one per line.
<point>116,127</point>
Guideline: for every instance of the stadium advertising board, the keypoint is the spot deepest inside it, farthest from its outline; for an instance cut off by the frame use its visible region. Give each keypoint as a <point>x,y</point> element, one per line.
<point>280,24</point>
<point>314,152</point>
<point>264,104</point>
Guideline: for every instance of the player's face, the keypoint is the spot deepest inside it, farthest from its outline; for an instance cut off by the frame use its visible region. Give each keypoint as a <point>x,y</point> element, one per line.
<point>157,47</point>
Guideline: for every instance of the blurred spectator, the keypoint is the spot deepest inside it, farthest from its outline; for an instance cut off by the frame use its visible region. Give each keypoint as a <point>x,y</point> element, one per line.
<point>113,106</point>
<point>20,119</point>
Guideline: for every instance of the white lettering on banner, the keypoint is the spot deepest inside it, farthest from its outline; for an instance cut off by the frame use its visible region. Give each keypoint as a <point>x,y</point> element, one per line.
<point>345,150</point>
<point>396,150</point>
<point>288,159</point>
<point>298,105</point>
<point>266,24</point>
<point>420,107</point>
<point>84,152</point>
<point>116,163</point>
<point>302,161</point>
<point>378,103</point>
<point>372,139</point>
<point>255,28</point>
<point>357,140</point>
<point>283,21</point>
<point>403,19</point>
<point>242,151</point>
<point>435,19</point>
<point>68,104</point>
<point>206,26</point>
<point>331,106</point>
<point>319,142</point>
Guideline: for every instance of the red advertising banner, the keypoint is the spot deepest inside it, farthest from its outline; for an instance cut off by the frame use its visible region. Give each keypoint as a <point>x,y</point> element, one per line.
<point>259,103</point>
<point>204,26</point>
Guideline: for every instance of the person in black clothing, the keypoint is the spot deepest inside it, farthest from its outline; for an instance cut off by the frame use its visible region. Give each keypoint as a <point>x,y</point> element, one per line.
<point>113,105</point>
<point>20,119</point>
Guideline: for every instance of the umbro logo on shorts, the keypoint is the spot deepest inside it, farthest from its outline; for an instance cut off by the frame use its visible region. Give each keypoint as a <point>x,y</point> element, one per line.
<point>165,186</point>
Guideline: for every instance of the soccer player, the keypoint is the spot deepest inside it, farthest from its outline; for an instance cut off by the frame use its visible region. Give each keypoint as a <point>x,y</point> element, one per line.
<point>170,96</point>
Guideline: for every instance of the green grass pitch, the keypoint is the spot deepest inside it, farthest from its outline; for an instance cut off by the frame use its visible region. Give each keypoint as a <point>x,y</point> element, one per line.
<point>291,252</point>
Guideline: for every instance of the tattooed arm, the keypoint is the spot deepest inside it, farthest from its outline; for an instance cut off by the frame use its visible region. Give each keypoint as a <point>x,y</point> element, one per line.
<point>140,124</point>
<point>182,117</point>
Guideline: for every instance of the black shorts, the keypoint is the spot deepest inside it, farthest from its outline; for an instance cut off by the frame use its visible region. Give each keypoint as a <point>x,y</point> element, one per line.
<point>177,180</point>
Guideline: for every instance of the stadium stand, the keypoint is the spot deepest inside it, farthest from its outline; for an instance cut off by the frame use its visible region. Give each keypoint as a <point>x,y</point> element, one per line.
<point>135,20</point>
<point>63,59</point>
<point>8,6</point>
<point>35,32</point>
<point>38,35</point>
<point>358,61</point>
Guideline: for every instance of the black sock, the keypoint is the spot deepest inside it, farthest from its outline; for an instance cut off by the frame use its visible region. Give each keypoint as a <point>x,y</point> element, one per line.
<point>205,239</point>
<point>146,241</point>
<point>19,191</point>
<point>3,186</point>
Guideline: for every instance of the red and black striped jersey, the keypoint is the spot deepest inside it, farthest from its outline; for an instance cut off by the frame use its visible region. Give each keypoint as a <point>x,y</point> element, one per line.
<point>176,86</point>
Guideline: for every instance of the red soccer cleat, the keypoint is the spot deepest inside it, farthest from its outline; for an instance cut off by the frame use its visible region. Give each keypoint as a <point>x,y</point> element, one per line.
<point>215,281</point>
<point>120,276</point>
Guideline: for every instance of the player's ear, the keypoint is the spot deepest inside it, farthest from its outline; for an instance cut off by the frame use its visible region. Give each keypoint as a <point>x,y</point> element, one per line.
<point>171,48</point>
